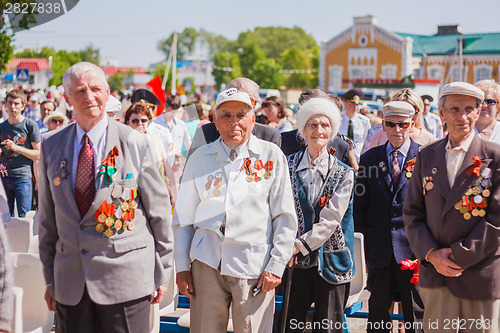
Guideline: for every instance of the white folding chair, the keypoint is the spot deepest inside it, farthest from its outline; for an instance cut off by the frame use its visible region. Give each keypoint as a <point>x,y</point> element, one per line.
<point>17,319</point>
<point>28,275</point>
<point>19,233</point>
<point>358,284</point>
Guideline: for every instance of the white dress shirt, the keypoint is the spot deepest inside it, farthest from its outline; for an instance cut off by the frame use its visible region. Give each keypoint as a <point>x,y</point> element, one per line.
<point>332,213</point>
<point>455,157</point>
<point>166,139</point>
<point>97,139</point>
<point>179,132</point>
<point>261,223</point>
<point>361,125</point>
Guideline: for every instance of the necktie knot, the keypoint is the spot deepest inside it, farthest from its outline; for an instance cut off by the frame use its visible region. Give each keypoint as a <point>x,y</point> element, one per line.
<point>233,154</point>
<point>396,171</point>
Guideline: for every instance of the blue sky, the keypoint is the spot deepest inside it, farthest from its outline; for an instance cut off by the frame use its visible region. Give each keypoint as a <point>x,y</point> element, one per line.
<point>130,30</point>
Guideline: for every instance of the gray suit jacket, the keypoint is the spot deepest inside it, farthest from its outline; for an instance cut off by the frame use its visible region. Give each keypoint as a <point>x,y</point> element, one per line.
<point>431,221</point>
<point>129,264</point>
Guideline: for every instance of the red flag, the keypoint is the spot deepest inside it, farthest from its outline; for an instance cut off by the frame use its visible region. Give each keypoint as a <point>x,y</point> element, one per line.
<point>156,85</point>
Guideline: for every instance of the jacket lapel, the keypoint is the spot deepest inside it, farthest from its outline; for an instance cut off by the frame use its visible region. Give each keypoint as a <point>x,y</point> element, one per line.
<point>67,184</point>
<point>436,168</point>
<point>382,159</point>
<point>412,152</point>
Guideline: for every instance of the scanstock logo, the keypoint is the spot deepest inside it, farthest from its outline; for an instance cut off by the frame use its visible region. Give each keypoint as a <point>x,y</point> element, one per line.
<point>26,14</point>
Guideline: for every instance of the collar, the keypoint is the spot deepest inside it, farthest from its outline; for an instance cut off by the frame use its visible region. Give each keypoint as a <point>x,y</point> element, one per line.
<point>353,117</point>
<point>322,163</point>
<point>222,149</point>
<point>403,150</point>
<point>464,146</point>
<point>95,133</point>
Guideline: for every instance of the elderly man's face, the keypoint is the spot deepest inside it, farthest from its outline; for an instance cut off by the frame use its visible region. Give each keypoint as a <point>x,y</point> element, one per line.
<point>460,113</point>
<point>46,109</point>
<point>398,129</point>
<point>234,121</point>
<point>88,95</point>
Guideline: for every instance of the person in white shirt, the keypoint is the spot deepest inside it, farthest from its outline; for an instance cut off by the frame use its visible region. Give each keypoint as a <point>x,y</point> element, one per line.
<point>234,224</point>
<point>354,124</point>
<point>432,121</point>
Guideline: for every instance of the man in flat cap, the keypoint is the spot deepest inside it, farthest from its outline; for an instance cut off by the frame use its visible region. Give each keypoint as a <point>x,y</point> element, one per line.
<point>234,224</point>
<point>354,124</point>
<point>452,219</point>
<point>432,121</point>
<point>378,214</point>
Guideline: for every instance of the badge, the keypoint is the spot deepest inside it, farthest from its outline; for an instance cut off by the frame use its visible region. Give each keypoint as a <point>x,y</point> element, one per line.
<point>458,205</point>
<point>99,228</point>
<point>429,186</point>
<point>124,206</point>
<point>268,167</point>
<point>109,222</point>
<point>57,181</point>
<point>217,183</point>
<point>118,224</point>
<point>132,204</point>
<point>478,199</point>
<point>434,171</point>
<point>463,210</point>
<point>124,226</point>
<point>205,194</point>
<point>267,175</point>
<point>108,232</point>
<point>475,212</point>
<point>467,216</point>
<point>475,190</point>
<point>382,166</point>
<point>131,226</point>
<point>486,193</point>
<point>63,164</point>
<point>250,178</point>
<point>216,192</point>
<point>409,167</point>
<point>482,213</point>
<point>247,164</point>
<point>102,218</point>
<point>408,174</point>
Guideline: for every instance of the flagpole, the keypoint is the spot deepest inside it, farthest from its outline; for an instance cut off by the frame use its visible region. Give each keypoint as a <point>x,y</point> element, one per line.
<point>174,64</point>
<point>167,70</point>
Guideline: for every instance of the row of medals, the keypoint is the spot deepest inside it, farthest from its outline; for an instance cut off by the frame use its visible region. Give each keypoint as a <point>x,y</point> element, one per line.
<point>260,173</point>
<point>112,224</point>
<point>478,193</point>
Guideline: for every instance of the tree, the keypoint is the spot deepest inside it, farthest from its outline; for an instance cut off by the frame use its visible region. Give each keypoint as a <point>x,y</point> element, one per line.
<point>116,82</point>
<point>215,43</point>
<point>267,74</point>
<point>297,59</point>
<point>186,42</point>
<point>228,61</point>
<point>251,53</point>
<point>275,40</point>
<point>19,21</point>
<point>61,61</point>
<point>160,71</point>
<point>44,52</point>
<point>90,54</point>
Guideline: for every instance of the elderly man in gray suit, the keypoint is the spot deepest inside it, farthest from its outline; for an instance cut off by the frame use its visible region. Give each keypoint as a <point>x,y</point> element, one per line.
<point>105,223</point>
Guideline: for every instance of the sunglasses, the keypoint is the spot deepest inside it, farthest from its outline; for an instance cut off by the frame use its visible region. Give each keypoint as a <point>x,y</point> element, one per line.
<point>142,120</point>
<point>490,101</point>
<point>393,124</point>
<point>56,121</point>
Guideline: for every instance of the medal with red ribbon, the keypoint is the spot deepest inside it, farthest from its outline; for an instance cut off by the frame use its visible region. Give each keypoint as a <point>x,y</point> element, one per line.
<point>409,167</point>
<point>217,183</point>
<point>247,164</point>
<point>268,167</point>
<point>475,168</point>
<point>108,167</point>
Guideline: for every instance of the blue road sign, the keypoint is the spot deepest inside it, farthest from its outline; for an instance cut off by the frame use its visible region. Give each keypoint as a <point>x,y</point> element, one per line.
<point>23,75</point>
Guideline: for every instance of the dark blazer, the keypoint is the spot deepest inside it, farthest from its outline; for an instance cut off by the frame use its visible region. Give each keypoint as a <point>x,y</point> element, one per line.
<point>431,221</point>
<point>208,133</point>
<point>292,143</point>
<point>378,208</point>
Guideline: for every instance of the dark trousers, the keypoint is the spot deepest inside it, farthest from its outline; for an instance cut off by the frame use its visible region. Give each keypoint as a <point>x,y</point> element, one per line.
<point>89,317</point>
<point>384,283</point>
<point>329,302</point>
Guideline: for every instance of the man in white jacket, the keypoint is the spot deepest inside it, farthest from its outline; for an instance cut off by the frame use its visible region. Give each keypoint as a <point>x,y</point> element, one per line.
<point>234,224</point>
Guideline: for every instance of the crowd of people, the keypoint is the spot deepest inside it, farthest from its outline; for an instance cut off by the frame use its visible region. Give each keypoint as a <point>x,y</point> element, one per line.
<point>239,205</point>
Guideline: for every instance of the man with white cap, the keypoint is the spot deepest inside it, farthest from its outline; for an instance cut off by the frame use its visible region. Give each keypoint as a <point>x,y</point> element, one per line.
<point>234,223</point>
<point>452,219</point>
<point>378,214</point>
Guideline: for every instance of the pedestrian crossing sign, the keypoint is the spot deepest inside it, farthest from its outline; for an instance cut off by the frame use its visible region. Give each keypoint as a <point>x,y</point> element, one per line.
<point>23,74</point>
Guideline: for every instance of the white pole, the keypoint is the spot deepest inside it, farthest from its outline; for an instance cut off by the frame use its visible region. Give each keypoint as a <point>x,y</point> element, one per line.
<point>174,64</point>
<point>167,69</point>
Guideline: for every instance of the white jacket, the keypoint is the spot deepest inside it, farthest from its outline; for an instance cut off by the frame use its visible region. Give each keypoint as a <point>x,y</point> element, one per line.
<point>261,223</point>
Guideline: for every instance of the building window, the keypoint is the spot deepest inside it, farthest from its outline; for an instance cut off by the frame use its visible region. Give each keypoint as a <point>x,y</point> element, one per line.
<point>435,72</point>
<point>370,73</point>
<point>356,73</point>
<point>389,71</point>
<point>362,40</point>
<point>335,83</point>
<point>482,72</point>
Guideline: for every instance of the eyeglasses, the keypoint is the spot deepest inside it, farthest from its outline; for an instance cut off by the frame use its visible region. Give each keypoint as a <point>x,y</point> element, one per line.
<point>393,124</point>
<point>490,101</point>
<point>142,120</point>
<point>56,121</point>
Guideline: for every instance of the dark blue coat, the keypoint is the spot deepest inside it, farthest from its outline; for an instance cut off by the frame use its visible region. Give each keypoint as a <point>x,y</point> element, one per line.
<point>378,208</point>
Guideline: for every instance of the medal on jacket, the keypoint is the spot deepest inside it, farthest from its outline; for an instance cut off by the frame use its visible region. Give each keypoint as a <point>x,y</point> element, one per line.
<point>259,166</point>
<point>217,183</point>
<point>268,167</point>
<point>382,166</point>
<point>409,167</point>
<point>248,170</point>
<point>208,184</point>
<point>108,169</point>
<point>104,218</point>
<point>64,173</point>
<point>427,184</point>
<point>473,202</point>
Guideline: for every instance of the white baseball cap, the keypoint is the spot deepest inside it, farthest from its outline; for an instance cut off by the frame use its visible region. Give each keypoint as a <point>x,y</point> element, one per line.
<point>233,95</point>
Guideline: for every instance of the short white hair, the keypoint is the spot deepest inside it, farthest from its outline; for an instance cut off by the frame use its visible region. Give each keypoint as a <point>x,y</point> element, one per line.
<point>79,69</point>
<point>318,106</point>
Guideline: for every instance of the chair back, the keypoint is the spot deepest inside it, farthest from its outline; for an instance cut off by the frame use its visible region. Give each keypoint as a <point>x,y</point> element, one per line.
<point>358,284</point>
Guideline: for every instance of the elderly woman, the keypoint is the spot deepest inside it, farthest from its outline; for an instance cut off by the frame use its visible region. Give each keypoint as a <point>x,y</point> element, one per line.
<point>138,116</point>
<point>55,120</point>
<point>418,133</point>
<point>487,125</point>
<point>323,250</point>
<point>273,108</point>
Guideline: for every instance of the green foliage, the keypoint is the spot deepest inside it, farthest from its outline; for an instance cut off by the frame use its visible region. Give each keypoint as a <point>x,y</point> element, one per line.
<point>90,54</point>
<point>116,82</point>
<point>251,53</point>
<point>215,43</point>
<point>6,35</point>
<point>44,52</point>
<point>295,58</point>
<point>160,71</point>
<point>227,60</point>
<point>186,41</point>
<point>61,61</point>
<point>267,73</point>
